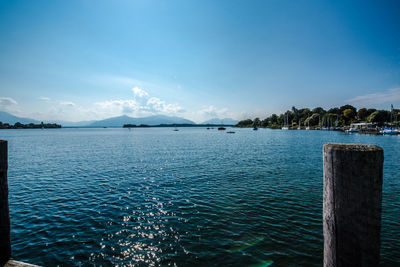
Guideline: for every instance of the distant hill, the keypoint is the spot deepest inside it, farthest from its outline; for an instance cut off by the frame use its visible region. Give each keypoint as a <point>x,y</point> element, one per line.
<point>74,123</point>
<point>110,122</point>
<point>150,120</point>
<point>226,121</point>
<point>6,117</point>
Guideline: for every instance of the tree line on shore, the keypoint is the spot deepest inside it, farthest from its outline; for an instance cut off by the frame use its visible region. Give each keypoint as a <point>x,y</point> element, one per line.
<point>318,117</point>
<point>19,125</point>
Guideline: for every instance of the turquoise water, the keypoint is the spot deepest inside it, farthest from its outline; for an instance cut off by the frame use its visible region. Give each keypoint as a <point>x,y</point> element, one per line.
<point>196,197</point>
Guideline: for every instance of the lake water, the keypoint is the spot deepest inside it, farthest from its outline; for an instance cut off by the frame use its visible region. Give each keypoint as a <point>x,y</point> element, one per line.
<point>196,197</point>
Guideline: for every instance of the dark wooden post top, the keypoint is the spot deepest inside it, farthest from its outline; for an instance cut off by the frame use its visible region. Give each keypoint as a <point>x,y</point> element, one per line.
<point>5,244</point>
<point>352,204</point>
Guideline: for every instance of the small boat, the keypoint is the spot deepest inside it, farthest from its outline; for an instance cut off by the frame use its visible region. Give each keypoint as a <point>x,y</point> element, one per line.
<point>286,125</point>
<point>255,128</point>
<point>230,132</point>
<point>352,130</point>
<point>221,128</point>
<point>389,131</point>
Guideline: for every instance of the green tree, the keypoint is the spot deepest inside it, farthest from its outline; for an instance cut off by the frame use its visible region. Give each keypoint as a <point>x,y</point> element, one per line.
<point>362,114</point>
<point>245,123</point>
<point>313,120</point>
<point>349,114</point>
<point>281,119</point>
<point>343,108</point>
<point>274,119</point>
<point>265,123</point>
<point>334,111</point>
<point>371,110</point>
<point>305,113</point>
<point>319,110</point>
<point>329,119</point>
<point>18,125</point>
<point>379,116</point>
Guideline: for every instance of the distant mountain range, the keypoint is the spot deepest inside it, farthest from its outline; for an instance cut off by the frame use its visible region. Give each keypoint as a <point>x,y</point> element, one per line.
<point>150,120</point>
<point>116,121</point>
<point>226,121</point>
<point>11,119</point>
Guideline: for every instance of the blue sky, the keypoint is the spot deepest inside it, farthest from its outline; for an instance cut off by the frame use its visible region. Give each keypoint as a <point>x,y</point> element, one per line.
<point>84,60</point>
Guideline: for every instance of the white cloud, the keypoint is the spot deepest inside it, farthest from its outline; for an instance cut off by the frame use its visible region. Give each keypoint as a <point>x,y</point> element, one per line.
<point>115,106</point>
<point>47,99</point>
<point>390,96</point>
<point>137,92</point>
<point>142,104</point>
<point>8,104</point>
<point>213,112</point>
<point>67,104</point>
<point>157,105</point>
<point>7,101</point>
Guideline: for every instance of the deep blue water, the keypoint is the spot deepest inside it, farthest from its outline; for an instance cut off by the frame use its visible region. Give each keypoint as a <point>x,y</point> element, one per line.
<point>196,197</point>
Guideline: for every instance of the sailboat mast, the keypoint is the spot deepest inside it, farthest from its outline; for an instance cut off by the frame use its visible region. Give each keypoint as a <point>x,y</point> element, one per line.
<point>391,116</point>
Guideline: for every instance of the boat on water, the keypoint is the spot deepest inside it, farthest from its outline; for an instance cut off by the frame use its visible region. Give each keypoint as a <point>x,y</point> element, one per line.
<point>286,125</point>
<point>308,125</point>
<point>255,128</point>
<point>389,131</point>
<point>352,130</point>
<point>221,128</point>
<point>230,132</point>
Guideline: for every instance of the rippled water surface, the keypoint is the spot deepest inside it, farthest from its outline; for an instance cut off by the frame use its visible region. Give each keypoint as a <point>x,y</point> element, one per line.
<point>196,197</point>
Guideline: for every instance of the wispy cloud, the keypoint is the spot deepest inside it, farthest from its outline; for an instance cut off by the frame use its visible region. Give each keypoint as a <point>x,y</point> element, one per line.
<point>213,112</point>
<point>390,96</point>
<point>43,98</point>
<point>67,103</point>
<point>111,80</point>
<point>7,102</point>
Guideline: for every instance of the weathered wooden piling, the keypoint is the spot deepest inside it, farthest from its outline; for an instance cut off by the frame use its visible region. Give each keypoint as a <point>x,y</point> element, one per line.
<point>352,204</point>
<point>5,244</point>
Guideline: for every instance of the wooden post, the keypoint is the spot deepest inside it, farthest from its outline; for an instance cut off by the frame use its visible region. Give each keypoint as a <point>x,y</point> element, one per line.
<point>352,204</point>
<point>5,244</point>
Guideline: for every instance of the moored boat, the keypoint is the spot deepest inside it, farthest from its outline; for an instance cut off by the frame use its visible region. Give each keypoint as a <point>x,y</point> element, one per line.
<point>389,131</point>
